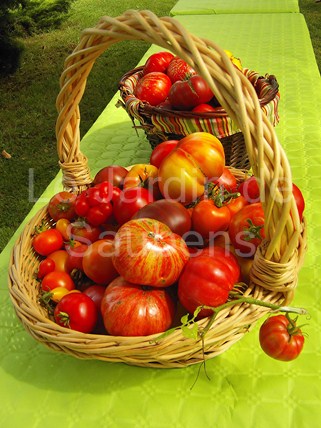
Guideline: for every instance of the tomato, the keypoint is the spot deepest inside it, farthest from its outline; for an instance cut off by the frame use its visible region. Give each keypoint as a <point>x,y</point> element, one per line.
<point>206,281</point>
<point>45,266</point>
<point>62,205</point>
<point>60,259</point>
<point>280,338</point>
<point>114,174</point>
<point>187,94</point>
<point>227,257</point>
<point>207,218</point>
<point>245,264</point>
<point>58,293</point>
<point>299,199</point>
<point>129,202</point>
<point>236,204</point>
<point>158,62</point>
<point>153,88</point>
<point>225,180</point>
<point>57,279</point>
<point>246,229</point>
<point>143,175</point>
<point>47,242</point>
<point>76,311</point>
<point>84,232</point>
<point>96,293</point>
<point>203,108</point>
<point>169,212</point>
<point>97,262</point>
<point>178,69</point>
<point>75,257</point>
<point>135,310</point>
<point>185,170</point>
<point>64,227</point>
<point>249,189</point>
<point>161,151</point>
<point>147,252</point>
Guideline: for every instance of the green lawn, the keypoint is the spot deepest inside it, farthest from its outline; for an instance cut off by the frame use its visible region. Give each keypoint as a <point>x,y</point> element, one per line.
<point>27,99</point>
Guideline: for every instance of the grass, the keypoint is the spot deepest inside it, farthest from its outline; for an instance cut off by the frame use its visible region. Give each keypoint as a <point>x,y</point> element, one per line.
<point>27,99</point>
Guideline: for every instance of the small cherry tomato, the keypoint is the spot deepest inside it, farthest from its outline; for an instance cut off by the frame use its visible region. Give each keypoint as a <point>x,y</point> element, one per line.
<point>45,266</point>
<point>60,258</point>
<point>57,279</point>
<point>76,311</point>
<point>64,227</point>
<point>47,242</point>
<point>62,205</point>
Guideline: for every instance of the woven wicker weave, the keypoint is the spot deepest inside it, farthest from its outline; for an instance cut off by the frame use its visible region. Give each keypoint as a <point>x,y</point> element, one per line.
<point>278,259</point>
<point>161,124</point>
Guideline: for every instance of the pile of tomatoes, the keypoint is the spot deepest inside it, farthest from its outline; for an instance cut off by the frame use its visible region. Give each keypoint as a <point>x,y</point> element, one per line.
<point>145,244</point>
<point>167,81</point>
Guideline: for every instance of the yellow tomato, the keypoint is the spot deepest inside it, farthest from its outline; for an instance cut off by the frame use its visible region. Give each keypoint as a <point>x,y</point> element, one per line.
<point>197,158</point>
<point>139,174</point>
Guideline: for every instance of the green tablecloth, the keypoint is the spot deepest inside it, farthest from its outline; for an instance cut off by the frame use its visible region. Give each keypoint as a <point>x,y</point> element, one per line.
<point>207,7</point>
<point>246,389</point>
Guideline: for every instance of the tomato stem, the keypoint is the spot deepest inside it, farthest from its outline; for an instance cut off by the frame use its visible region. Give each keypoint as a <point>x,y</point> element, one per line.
<point>237,299</point>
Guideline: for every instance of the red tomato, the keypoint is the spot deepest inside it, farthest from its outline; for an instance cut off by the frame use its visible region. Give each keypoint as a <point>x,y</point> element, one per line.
<point>153,88</point>
<point>226,257</point>
<point>246,229</point>
<point>207,218</point>
<point>299,199</point>
<point>77,312</point>
<point>161,151</point>
<point>236,204</point>
<point>147,252</point>
<point>75,257</point>
<point>158,62</point>
<point>135,310</point>
<point>187,94</point>
<point>203,108</point>
<point>62,205</point>
<point>169,212</point>
<point>206,281</point>
<point>97,262</point>
<point>60,259</point>
<point>96,293</point>
<point>178,69</point>
<point>129,202</point>
<point>57,279</point>
<point>47,242</point>
<point>45,266</point>
<point>250,190</point>
<point>84,232</point>
<point>114,174</point>
<point>280,338</point>
<point>225,180</point>
<point>185,170</point>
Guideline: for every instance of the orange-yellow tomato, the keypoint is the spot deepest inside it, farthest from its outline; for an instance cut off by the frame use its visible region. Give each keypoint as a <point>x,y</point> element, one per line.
<point>197,158</point>
<point>139,175</point>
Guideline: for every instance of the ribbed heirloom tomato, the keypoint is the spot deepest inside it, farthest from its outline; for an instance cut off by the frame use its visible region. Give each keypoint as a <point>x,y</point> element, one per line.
<point>147,252</point>
<point>136,310</point>
<point>183,173</point>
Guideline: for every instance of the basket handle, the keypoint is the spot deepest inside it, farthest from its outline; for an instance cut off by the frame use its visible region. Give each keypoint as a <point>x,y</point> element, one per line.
<point>234,92</point>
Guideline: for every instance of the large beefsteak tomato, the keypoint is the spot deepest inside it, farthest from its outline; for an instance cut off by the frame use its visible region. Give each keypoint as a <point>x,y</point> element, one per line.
<point>136,310</point>
<point>185,170</point>
<point>147,252</point>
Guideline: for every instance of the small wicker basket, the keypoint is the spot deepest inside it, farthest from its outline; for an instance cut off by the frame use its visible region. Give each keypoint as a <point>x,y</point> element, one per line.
<point>277,261</point>
<point>160,124</point>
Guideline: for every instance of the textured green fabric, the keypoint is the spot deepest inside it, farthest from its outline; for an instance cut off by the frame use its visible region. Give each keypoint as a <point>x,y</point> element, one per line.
<point>207,7</point>
<point>246,389</point>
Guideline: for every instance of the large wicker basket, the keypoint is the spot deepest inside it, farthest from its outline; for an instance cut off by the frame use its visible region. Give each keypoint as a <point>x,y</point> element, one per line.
<point>161,124</point>
<point>277,261</point>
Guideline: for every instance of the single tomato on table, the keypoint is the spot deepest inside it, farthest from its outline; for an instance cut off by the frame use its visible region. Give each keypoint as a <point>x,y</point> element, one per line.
<point>280,338</point>
<point>147,252</point>
<point>135,310</point>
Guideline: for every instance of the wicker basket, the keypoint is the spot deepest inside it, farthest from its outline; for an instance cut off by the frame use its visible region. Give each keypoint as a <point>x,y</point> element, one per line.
<point>162,124</point>
<point>277,261</point>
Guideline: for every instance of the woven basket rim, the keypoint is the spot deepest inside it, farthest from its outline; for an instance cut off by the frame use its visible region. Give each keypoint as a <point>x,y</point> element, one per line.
<point>219,111</point>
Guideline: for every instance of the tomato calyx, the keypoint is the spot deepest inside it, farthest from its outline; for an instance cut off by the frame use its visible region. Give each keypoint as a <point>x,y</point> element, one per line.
<point>292,328</point>
<point>64,318</point>
<point>252,231</point>
<point>219,195</point>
